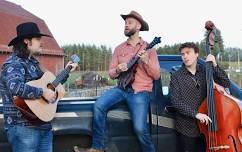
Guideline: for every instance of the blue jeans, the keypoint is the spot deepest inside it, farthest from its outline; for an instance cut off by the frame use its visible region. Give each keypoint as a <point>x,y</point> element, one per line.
<point>138,105</point>
<point>24,139</point>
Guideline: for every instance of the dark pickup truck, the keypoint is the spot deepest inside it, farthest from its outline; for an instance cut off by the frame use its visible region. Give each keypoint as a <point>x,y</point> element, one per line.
<point>73,122</point>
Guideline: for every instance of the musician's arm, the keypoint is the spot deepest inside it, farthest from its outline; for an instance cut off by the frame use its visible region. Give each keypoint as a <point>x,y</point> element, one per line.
<point>113,66</point>
<point>14,79</point>
<point>221,77</point>
<point>153,67</point>
<point>176,99</point>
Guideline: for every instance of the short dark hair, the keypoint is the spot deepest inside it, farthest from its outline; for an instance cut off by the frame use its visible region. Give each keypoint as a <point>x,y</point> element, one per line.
<point>189,45</point>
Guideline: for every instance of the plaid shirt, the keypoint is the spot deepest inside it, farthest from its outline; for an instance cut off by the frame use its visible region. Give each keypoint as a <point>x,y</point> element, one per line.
<point>188,92</point>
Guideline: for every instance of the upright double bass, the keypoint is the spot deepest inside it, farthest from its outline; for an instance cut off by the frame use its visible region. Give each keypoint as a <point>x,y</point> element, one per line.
<point>224,133</point>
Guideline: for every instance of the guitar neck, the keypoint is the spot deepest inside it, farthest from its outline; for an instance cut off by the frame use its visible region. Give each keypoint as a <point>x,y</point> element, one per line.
<point>136,59</point>
<point>60,77</point>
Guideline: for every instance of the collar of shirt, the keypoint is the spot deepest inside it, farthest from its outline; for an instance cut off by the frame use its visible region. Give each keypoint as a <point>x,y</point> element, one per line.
<point>14,57</point>
<point>141,42</point>
<point>34,60</point>
<point>185,71</point>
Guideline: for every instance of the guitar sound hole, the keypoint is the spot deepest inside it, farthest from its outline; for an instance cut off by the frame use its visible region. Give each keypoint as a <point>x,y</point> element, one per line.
<point>51,86</point>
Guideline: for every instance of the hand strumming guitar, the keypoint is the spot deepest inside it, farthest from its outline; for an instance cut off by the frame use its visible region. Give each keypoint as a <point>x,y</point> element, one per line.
<point>49,95</point>
<point>121,68</point>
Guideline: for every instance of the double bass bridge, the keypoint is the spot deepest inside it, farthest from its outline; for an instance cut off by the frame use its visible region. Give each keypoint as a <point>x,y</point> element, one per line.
<point>216,148</point>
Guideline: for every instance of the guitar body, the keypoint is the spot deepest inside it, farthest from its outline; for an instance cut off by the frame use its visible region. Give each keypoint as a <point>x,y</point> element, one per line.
<point>126,78</point>
<point>39,109</point>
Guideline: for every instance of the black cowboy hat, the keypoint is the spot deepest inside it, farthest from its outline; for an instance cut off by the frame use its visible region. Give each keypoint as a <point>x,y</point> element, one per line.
<point>26,30</point>
<point>134,14</point>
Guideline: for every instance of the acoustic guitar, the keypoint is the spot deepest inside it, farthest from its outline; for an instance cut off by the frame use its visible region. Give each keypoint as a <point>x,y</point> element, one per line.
<point>38,110</point>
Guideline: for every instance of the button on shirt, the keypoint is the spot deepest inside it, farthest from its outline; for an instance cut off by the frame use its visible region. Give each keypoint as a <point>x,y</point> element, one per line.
<point>188,92</point>
<point>145,73</point>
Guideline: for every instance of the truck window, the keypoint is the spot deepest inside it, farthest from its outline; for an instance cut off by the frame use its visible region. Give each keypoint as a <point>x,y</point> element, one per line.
<point>165,81</point>
<point>167,68</point>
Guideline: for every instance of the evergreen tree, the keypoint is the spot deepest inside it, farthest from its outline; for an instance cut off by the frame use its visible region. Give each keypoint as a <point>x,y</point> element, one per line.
<point>93,58</point>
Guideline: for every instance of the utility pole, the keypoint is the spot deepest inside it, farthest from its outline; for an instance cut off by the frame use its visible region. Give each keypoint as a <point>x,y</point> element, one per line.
<point>83,63</point>
<point>238,60</point>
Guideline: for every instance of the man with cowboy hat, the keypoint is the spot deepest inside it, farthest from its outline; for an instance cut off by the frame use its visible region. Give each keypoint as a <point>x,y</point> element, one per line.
<point>137,94</point>
<point>17,70</point>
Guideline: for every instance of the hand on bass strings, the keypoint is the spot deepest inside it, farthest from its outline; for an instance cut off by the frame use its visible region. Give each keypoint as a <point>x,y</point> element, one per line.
<point>211,58</point>
<point>203,118</point>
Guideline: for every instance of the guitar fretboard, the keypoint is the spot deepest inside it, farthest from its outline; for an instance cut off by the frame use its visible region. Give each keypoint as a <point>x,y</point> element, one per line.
<point>61,76</point>
<point>149,46</point>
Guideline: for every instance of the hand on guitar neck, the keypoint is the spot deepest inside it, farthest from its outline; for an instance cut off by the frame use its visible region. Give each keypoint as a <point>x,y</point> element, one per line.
<point>144,57</point>
<point>73,65</point>
<point>49,94</point>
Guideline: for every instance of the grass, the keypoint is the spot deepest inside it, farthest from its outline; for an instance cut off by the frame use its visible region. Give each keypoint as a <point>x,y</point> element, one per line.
<point>77,75</point>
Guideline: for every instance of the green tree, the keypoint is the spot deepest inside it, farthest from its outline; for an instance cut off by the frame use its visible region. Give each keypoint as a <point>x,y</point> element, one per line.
<point>219,46</point>
<point>93,58</point>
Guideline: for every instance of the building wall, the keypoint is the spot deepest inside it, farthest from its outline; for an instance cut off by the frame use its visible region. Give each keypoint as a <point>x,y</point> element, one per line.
<point>53,63</point>
<point>2,58</point>
<point>12,15</point>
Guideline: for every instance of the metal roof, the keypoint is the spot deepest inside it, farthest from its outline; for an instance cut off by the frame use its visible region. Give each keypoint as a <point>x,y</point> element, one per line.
<point>11,15</point>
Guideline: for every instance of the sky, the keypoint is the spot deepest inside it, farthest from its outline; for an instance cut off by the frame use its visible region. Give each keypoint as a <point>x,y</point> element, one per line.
<point>98,21</point>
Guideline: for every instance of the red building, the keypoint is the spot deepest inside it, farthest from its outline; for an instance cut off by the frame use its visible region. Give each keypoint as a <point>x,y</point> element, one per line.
<point>11,15</point>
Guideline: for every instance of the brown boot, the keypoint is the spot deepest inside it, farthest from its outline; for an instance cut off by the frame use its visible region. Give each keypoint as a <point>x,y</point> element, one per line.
<point>94,150</point>
<point>78,149</point>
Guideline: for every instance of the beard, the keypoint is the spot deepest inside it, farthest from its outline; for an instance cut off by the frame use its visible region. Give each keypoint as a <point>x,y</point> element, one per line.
<point>35,51</point>
<point>130,32</point>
